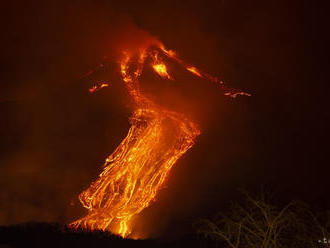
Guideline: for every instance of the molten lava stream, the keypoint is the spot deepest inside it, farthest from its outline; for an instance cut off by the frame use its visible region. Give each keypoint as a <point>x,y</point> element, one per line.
<point>133,174</point>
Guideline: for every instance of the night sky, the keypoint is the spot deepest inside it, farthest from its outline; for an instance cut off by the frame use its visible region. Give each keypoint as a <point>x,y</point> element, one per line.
<point>54,135</point>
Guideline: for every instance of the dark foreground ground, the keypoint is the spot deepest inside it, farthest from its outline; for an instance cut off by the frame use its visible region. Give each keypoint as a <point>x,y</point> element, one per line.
<point>56,235</point>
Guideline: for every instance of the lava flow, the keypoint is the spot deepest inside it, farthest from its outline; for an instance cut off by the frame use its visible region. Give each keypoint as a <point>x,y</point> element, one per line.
<point>134,173</point>
<point>98,86</point>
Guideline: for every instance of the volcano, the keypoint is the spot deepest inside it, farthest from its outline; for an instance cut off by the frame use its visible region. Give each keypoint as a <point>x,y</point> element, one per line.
<point>134,173</point>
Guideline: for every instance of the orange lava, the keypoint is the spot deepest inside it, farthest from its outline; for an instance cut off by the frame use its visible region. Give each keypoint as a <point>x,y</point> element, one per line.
<point>194,70</point>
<point>161,70</point>
<point>134,173</point>
<point>97,87</point>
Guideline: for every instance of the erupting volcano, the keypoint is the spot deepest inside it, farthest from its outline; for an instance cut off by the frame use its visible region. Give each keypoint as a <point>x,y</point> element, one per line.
<point>134,173</point>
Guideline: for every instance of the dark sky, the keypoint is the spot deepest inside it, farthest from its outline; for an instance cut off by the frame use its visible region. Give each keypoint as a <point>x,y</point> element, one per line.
<point>54,134</point>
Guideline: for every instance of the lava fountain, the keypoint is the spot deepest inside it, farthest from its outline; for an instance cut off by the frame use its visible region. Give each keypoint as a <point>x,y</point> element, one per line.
<point>134,173</point>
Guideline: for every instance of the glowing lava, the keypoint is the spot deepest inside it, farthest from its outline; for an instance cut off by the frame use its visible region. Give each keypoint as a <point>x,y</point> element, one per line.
<point>159,66</point>
<point>98,86</point>
<point>194,70</point>
<point>161,70</point>
<point>134,173</point>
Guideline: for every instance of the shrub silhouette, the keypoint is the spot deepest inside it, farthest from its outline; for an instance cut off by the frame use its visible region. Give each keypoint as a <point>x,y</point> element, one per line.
<point>257,223</point>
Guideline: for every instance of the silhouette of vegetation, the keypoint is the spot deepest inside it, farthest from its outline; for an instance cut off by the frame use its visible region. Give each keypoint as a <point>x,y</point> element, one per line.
<point>257,223</point>
<point>253,222</point>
